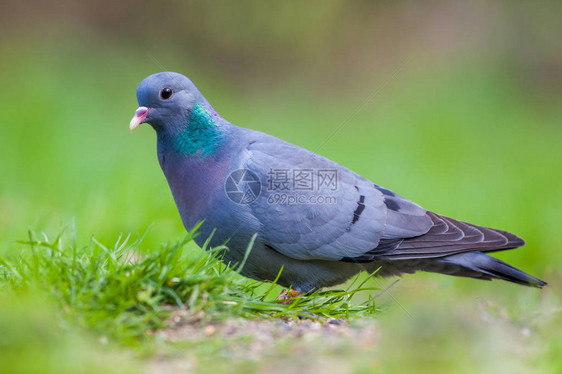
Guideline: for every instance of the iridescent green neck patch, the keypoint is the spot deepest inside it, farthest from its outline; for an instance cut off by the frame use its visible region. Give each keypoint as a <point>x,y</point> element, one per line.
<point>202,135</point>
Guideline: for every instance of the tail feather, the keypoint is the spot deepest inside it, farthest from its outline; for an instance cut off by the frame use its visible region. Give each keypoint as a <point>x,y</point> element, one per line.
<point>481,266</point>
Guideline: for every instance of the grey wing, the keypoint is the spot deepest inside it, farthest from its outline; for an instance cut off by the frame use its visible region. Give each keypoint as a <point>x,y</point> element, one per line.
<point>349,221</point>
<point>446,237</point>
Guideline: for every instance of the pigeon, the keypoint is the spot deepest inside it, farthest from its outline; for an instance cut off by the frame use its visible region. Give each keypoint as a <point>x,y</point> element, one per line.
<point>284,213</point>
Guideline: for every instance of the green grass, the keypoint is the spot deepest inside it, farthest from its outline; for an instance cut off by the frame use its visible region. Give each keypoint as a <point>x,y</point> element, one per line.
<point>34,339</point>
<point>124,292</point>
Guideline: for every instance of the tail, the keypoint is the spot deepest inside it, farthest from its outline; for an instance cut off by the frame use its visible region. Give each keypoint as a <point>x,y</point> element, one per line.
<point>481,266</point>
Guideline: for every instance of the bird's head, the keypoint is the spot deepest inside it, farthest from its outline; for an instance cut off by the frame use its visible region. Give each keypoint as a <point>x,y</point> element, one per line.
<point>165,100</point>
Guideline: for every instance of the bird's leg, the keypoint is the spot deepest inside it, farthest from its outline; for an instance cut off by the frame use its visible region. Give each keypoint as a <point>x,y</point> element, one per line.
<point>287,296</point>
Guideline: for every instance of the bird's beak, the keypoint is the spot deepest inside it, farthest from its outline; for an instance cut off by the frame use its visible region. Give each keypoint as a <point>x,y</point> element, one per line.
<point>139,117</point>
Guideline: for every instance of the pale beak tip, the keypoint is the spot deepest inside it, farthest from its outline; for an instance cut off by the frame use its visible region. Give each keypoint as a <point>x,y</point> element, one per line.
<point>139,117</point>
<point>134,123</point>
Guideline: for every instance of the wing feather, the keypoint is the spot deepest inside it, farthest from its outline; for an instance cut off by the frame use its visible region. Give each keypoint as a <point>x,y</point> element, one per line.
<point>362,215</point>
<point>446,237</point>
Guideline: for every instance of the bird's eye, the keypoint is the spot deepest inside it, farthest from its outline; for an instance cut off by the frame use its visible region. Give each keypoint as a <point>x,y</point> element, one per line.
<point>166,93</point>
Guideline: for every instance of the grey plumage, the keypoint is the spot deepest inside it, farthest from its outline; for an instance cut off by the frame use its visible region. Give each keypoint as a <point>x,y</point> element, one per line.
<point>334,231</point>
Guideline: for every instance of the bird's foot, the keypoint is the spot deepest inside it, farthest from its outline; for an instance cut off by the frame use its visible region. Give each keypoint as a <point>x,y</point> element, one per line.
<point>287,296</point>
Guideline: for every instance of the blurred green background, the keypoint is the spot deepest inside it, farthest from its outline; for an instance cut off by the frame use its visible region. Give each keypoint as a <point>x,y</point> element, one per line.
<point>455,106</point>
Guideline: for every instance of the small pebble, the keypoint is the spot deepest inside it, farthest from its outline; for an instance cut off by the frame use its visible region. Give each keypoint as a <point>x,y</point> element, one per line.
<point>209,330</point>
<point>338,322</point>
<point>285,326</point>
